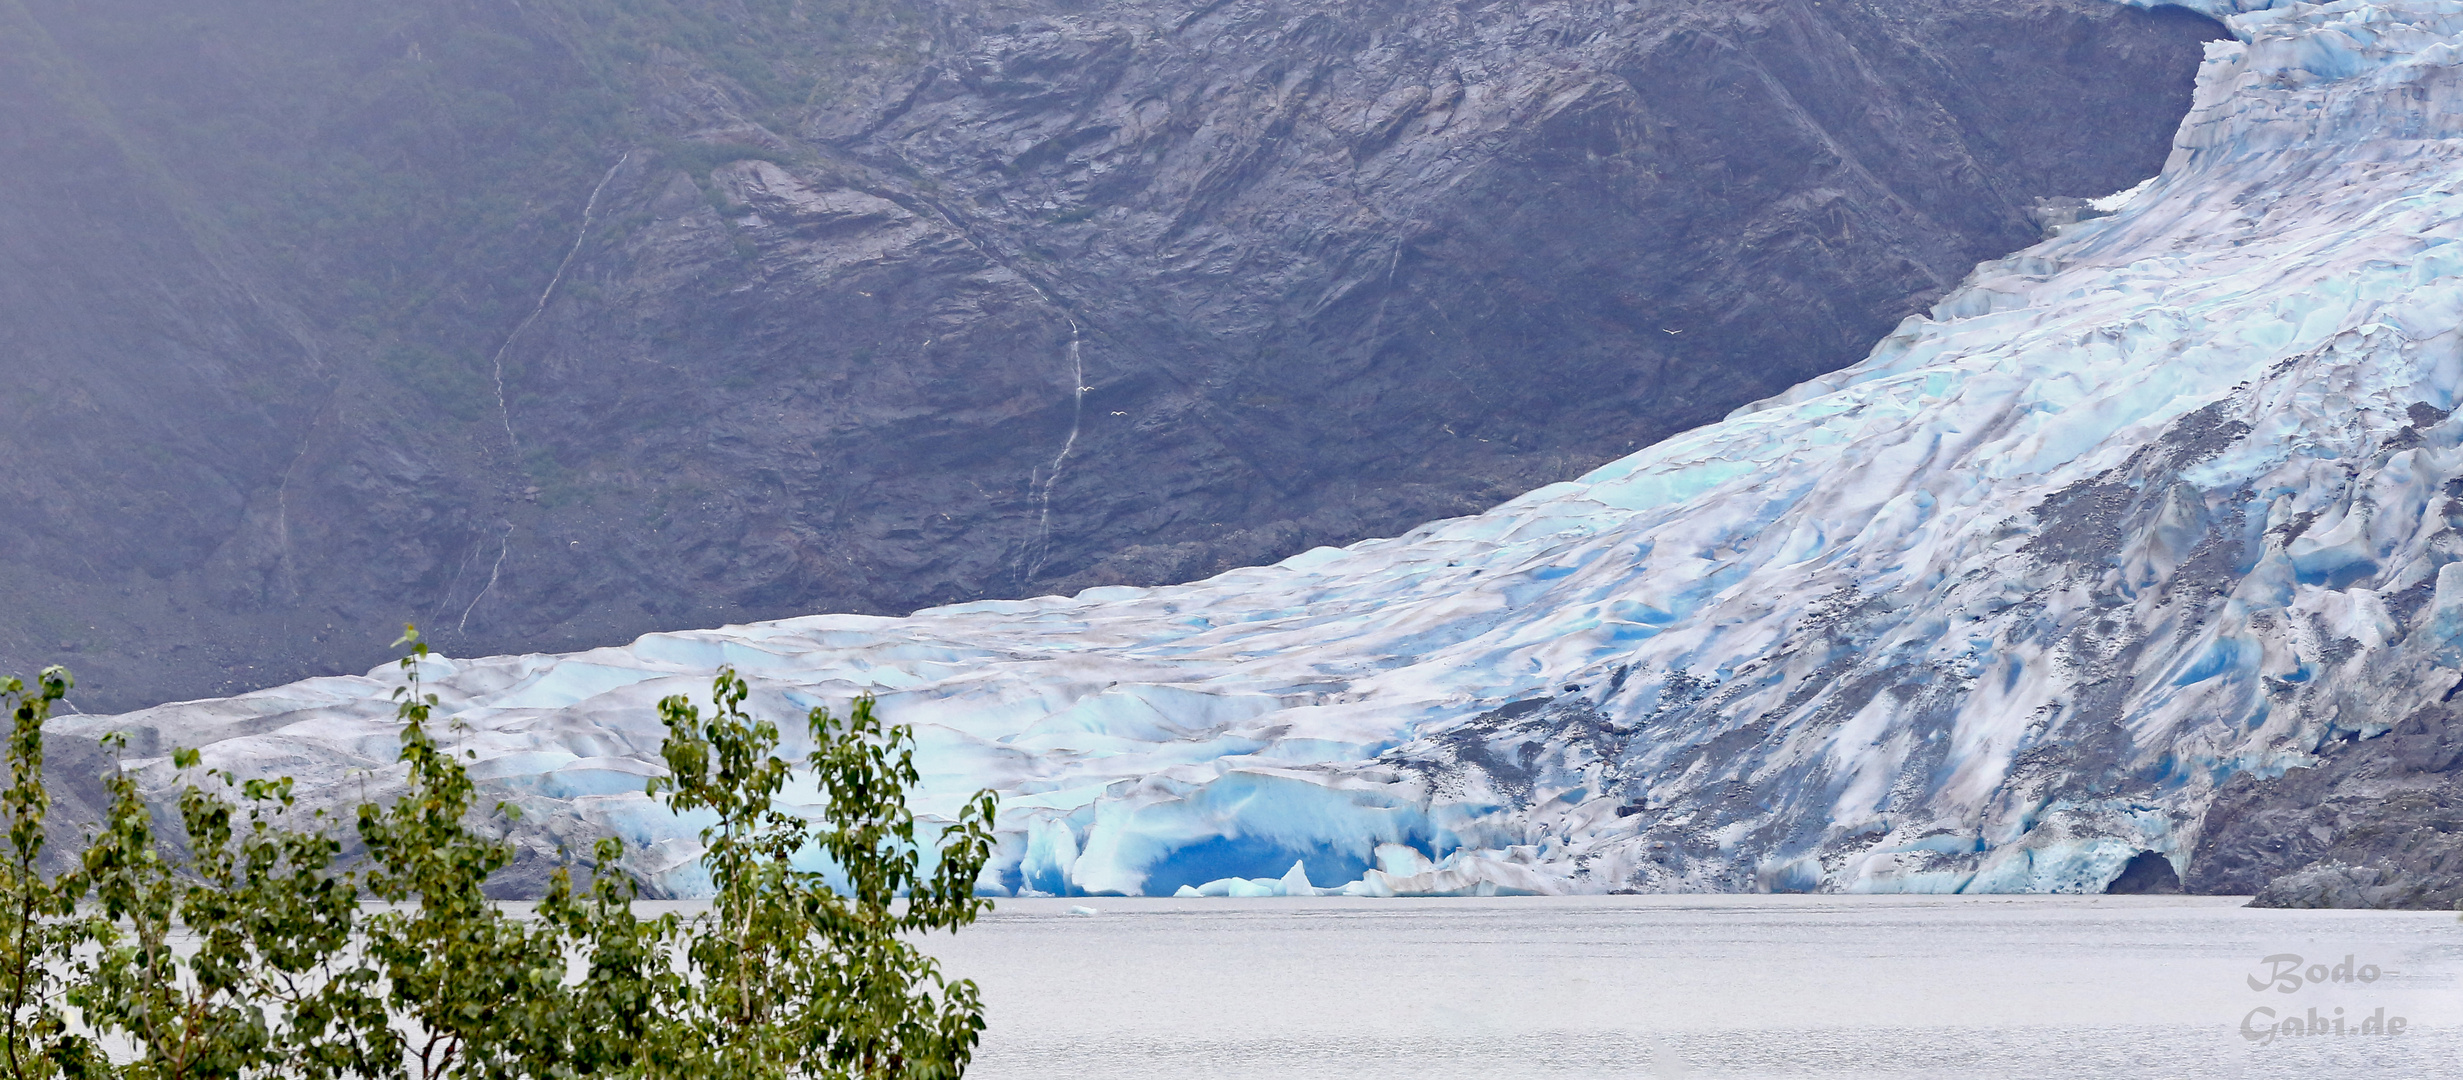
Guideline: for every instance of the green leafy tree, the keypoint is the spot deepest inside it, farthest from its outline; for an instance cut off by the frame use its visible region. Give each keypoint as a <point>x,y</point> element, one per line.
<point>480,991</point>
<point>275,922</point>
<point>249,956</point>
<point>790,976</point>
<point>268,985</point>
<point>37,931</point>
<point>618,1014</point>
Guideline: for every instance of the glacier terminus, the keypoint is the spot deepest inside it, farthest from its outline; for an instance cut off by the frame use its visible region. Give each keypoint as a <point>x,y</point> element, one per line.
<point>2173,497</point>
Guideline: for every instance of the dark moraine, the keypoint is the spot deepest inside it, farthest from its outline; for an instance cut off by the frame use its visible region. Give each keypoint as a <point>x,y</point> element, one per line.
<point>2377,823</point>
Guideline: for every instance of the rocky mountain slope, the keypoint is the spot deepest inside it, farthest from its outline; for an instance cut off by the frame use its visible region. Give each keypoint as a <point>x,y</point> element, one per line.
<point>2137,563</point>
<point>548,324</point>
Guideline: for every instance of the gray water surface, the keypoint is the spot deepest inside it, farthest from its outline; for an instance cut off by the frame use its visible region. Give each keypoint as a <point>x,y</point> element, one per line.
<point>1702,986</point>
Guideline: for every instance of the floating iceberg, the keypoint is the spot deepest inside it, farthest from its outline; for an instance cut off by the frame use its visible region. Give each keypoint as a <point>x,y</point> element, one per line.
<point>2171,497</point>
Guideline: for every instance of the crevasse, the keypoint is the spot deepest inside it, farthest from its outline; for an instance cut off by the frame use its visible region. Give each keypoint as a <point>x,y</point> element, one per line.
<point>2167,498</point>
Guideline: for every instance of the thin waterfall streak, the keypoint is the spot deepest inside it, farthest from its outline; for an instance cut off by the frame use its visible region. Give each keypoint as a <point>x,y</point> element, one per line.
<point>504,408</point>
<point>503,544</point>
<point>461,569</point>
<point>589,209</point>
<point>282,526</point>
<point>282,535</point>
<point>1077,415</point>
<point>282,503</point>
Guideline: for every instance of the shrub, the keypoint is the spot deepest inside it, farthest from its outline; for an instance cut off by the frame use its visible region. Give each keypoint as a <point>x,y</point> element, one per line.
<point>791,976</point>
<point>36,933</point>
<point>786,976</point>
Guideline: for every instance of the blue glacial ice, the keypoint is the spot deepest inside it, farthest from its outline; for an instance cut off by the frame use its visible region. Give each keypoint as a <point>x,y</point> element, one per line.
<point>2169,497</point>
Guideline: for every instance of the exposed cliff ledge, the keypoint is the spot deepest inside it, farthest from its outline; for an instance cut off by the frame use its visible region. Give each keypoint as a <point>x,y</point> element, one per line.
<point>2375,822</point>
<point>286,363</point>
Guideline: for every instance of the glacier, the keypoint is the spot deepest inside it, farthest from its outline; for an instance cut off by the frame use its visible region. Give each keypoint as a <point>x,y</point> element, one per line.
<point>2173,496</point>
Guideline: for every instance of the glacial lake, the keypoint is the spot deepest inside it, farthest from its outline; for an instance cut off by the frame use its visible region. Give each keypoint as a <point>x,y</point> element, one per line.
<point>1707,986</point>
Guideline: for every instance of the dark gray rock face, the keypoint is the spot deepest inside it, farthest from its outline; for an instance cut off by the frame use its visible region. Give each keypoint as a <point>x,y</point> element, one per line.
<point>2378,823</point>
<point>544,330</point>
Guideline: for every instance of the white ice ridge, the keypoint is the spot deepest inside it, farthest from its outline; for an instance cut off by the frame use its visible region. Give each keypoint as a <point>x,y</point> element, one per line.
<point>2165,499</point>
